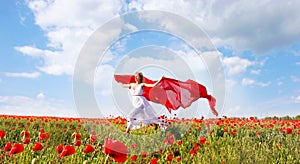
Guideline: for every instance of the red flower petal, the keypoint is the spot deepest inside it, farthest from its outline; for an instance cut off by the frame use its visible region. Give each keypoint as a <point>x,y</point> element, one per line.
<point>68,150</point>
<point>2,133</point>
<point>17,148</point>
<point>133,157</point>
<point>37,147</point>
<point>202,140</point>
<point>59,148</point>
<point>116,150</point>
<point>26,141</point>
<point>154,161</point>
<point>88,149</point>
<point>8,146</point>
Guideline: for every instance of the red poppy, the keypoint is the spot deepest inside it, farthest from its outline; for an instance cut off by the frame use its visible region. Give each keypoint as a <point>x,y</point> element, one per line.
<point>196,146</point>
<point>179,142</point>
<point>170,157</point>
<point>193,152</point>
<point>26,141</point>
<point>207,143</point>
<point>68,150</point>
<point>78,143</point>
<point>2,133</point>
<point>88,149</point>
<point>178,159</point>
<point>133,158</point>
<point>144,154</point>
<point>232,133</point>
<point>288,130</point>
<point>37,147</point>
<point>154,161</point>
<point>17,148</point>
<point>93,138</point>
<point>257,134</point>
<point>202,140</point>
<point>116,150</point>
<point>77,136</point>
<point>298,131</point>
<point>225,129</point>
<point>26,134</point>
<point>44,136</point>
<point>42,131</point>
<point>59,148</point>
<point>8,146</point>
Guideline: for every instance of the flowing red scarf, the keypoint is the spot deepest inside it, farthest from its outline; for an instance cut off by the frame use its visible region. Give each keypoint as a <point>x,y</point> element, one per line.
<point>170,92</point>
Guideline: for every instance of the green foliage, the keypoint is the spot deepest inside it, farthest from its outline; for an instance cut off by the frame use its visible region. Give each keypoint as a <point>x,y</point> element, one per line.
<point>230,140</point>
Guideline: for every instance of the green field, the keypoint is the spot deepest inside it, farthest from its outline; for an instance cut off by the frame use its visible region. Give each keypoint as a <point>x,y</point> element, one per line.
<point>25,139</point>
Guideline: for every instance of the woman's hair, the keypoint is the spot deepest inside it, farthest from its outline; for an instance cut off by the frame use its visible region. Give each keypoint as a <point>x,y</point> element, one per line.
<point>140,74</point>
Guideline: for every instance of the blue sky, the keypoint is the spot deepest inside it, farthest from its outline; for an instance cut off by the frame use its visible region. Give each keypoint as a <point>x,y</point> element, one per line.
<point>258,43</point>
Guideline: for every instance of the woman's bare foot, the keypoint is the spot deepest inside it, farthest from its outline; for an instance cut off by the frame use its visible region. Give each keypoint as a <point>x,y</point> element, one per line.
<point>127,131</point>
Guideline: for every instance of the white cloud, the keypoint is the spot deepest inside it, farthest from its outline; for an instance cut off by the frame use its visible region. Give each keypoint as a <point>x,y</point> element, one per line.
<point>236,65</point>
<point>31,51</point>
<point>297,99</point>
<point>31,75</point>
<point>39,106</point>
<point>255,25</point>
<point>73,13</point>
<point>68,23</point>
<point>246,81</point>
<point>40,96</point>
<point>251,82</point>
<point>255,72</point>
<point>297,63</point>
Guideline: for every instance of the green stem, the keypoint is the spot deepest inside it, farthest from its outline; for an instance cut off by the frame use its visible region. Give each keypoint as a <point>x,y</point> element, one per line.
<point>106,159</point>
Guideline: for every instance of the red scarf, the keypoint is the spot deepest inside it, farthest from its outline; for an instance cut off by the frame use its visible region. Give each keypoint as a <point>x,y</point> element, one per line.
<point>170,92</point>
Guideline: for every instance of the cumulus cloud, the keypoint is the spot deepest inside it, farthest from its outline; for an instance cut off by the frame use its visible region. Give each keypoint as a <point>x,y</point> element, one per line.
<point>31,75</point>
<point>38,106</point>
<point>256,25</point>
<point>235,65</point>
<point>241,24</point>
<point>251,82</point>
<point>67,24</point>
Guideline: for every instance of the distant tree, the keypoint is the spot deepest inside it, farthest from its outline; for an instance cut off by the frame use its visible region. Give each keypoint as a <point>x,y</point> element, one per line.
<point>286,118</point>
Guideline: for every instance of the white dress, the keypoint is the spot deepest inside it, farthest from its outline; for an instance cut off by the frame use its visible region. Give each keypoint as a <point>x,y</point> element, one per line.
<point>143,114</point>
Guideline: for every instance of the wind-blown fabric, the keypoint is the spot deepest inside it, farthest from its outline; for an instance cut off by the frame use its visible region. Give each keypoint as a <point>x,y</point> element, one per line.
<point>171,93</point>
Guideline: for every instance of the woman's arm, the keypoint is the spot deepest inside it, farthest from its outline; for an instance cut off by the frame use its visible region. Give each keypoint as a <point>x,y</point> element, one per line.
<point>126,85</point>
<point>152,85</point>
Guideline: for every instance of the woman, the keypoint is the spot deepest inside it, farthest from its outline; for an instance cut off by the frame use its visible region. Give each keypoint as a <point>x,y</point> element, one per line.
<point>143,112</point>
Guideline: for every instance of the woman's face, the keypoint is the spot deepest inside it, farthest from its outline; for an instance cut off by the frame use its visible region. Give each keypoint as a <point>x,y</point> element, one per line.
<point>137,78</point>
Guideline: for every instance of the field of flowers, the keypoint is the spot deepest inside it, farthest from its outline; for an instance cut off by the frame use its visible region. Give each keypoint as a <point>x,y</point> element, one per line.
<point>25,139</point>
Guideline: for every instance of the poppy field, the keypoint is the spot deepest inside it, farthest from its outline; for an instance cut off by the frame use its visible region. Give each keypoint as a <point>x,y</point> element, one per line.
<point>31,139</point>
